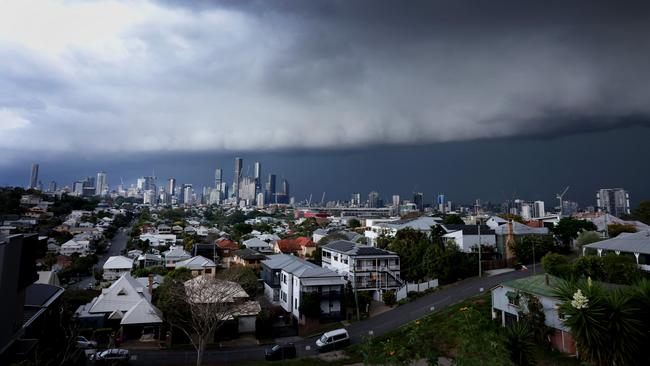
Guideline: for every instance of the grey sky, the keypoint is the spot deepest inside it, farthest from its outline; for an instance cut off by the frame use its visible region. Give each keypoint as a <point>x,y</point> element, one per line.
<point>118,78</point>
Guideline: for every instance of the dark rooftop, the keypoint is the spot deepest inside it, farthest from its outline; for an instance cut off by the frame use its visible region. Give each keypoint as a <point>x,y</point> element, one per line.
<point>351,248</point>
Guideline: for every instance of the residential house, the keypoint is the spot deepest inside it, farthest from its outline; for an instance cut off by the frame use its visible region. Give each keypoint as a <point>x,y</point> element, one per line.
<point>301,246</point>
<point>199,266</point>
<point>288,278</point>
<point>72,246</point>
<point>157,240</point>
<point>239,311</point>
<point>225,248</point>
<point>510,298</point>
<point>247,258</point>
<point>635,245</point>
<point>467,236</point>
<point>514,231</point>
<point>175,254</point>
<point>116,266</point>
<point>164,229</point>
<point>258,245</point>
<point>207,250</point>
<point>125,305</point>
<point>367,268</point>
<point>146,260</point>
<point>390,228</point>
<point>603,220</point>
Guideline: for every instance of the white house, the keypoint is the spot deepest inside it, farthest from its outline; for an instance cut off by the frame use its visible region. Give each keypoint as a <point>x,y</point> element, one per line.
<point>82,247</point>
<point>633,244</point>
<point>258,245</point>
<point>175,254</point>
<point>390,228</point>
<point>467,236</point>
<point>366,267</point>
<point>511,297</point>
<point>198,265</point>
<point>116,266</point>
<point>288,278</point>
<point>156,240</point>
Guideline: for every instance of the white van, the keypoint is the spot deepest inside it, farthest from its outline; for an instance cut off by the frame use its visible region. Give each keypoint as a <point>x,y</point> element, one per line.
<point>332,340</point>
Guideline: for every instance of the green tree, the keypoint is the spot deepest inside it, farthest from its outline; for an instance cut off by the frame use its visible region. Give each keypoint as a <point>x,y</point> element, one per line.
<point>527,245</point>
<point>642,212</point>
<point>452,220</point>
<point>620,269</point>
<point>310,305</point>
<point>588,237</point>
<point>354,223</point>
<point>245,277</point>
<point>557,265</point>
<point>615,230</point>
<point>568,229</point>
<point>512,217</point>
<point>389,298</point>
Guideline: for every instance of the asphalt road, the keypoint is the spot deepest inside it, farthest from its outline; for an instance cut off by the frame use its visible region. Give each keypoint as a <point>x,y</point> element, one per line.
<point>117,244</point>
<point>379,325</point>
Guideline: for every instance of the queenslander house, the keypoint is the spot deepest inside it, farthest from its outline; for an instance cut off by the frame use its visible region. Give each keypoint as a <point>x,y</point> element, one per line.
<point>367,268</point>
<point>287,279</point>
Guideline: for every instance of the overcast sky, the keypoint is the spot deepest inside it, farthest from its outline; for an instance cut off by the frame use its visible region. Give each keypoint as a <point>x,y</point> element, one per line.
<point>110,82</point>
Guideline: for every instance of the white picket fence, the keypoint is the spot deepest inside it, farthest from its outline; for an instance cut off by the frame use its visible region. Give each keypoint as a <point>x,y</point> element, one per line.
<point>402,293</point>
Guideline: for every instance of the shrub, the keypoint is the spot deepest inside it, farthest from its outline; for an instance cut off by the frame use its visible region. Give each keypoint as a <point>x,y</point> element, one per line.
<point>557,265</point>
<point>389,298</point>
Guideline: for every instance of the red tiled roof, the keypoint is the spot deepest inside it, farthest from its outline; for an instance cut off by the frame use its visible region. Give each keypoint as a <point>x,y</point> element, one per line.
<point>224,243</point>
<point>294,245</point>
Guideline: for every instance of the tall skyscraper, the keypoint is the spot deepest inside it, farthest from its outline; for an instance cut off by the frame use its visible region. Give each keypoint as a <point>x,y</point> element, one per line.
<point>441,203</point>
<point>396,200</point>
<point>418,200</point>
<point>187,194</point>
<point>614,201</point>
<point>373,199</point>
<point>33,179</point>
<point>285,187</point>
<point>270,189</point>
<point>237,178</point>
<point>538,209</point>
<point>258,177</point>
<point>355,201</point>
<point>218,178</point>
<point>52,187</point>
<point>102,186</point>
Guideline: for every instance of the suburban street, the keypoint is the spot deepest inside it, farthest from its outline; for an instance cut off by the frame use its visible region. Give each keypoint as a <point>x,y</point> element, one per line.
<point>379,325</point>
<point>117,244</point>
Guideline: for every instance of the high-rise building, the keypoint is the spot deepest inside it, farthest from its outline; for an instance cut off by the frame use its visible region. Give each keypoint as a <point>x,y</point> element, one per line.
<point>396,200</point>
<point>373,199</point>
<point>237,178</point>
<point>247,189</point>
<point>614,201</point>
<point>418,199</point>
<point>52,187</point>
<point>538,209</point>
<point>441,203</point>
<point>187,194</point>
<point>355,200</point>
<point>218,180</point>
<point>260,200</point>
<point>102,186</point>
<point>526,211</point>
<point>33,179</point>
<point>569,208</point>
<point>285,187</point>
<point>258,177</point>
<point>149,197</point>
<point>171,190</point>
<point>270,189</point>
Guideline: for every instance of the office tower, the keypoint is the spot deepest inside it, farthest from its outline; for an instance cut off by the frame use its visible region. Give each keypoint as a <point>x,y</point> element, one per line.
<point>187,194</point>
<point>260,200</point>
<point>102,186</point>
<point>526,211</point>
<point>418,199</point>
<point>614,201</point>
<point>52,187</point>
<point>171,186</point>
<point>373,199</point>
<point>218,178</point>
<point>569,208</point>
<point>33,179</point>
<point>396,200</point>
<point>149,197</point>
<point>285,187</point>
<point>270,189</point>
<point>247,189</point>
<point>237,178</point>
<point>258,177</point>
<point>78,188</point>
<point>88,187</point>
<point>441,203</point>
<point>538,209</point>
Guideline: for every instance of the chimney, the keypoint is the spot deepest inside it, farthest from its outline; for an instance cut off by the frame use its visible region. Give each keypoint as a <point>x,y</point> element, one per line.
<point>546,279</point>
<point>150,286</point>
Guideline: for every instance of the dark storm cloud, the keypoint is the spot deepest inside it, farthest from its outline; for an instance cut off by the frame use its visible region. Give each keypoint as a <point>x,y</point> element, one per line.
<point>274,75</point>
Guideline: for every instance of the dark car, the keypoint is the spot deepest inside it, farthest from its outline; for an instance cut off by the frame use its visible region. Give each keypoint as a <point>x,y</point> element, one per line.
<point>280,352</point>
<point>113,356</point>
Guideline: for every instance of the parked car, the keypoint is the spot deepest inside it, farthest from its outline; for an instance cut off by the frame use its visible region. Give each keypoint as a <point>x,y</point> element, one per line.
<point>280,352</point>
<point>332,340</point>
<point>82,342</point>
<point>113,356</point>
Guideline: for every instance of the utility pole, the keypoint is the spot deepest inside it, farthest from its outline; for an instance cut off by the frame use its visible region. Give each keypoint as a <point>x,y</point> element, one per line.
<point>480,272</point>
<point>534,269</point>
<point>354,288</point>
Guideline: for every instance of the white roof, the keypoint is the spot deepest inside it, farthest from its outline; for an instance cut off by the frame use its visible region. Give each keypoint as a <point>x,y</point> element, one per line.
<point>123,294</point>
<point>118,262</point>
<point>142,313</point>
<point>177,252</point>
<point>256,243</point>
<point>638,242</point>
<point>198,262</point>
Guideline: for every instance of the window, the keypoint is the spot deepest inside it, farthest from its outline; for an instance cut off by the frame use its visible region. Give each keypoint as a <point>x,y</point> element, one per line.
<point>513,298</point>
<point>295,303</point>
<point>208,270</point>
<point>284,278</point>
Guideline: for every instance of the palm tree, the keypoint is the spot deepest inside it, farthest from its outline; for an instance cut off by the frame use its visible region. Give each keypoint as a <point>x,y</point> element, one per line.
<point>519,344</point>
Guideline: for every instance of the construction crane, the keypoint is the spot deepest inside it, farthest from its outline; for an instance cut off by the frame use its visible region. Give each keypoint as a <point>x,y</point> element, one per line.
<point>560,196</point>
<point>322,200</point>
